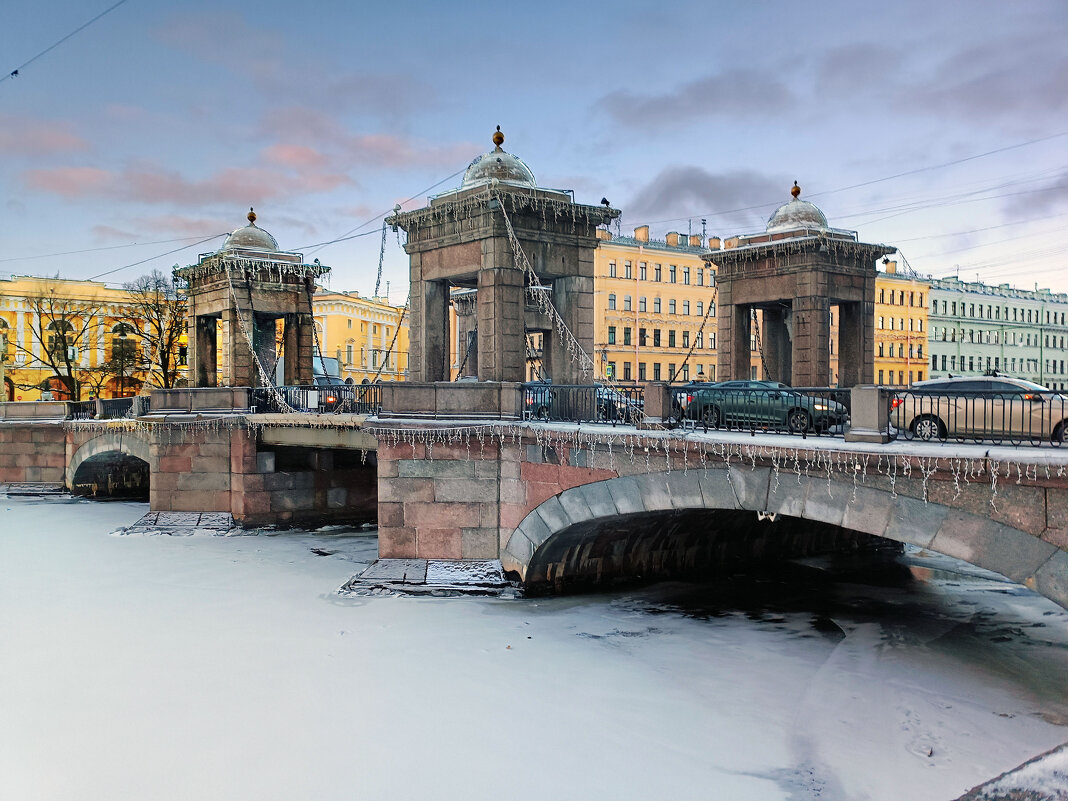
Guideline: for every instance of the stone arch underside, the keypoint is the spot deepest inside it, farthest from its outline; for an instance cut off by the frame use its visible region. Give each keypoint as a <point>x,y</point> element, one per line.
<point>559,523</point>
<point>120,442</point>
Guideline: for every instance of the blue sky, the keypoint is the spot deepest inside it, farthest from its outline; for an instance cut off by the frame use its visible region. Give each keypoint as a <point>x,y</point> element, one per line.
<point>166,121</point>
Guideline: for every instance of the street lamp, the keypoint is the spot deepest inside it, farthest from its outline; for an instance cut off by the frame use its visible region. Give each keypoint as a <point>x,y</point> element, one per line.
<point>122,360</point>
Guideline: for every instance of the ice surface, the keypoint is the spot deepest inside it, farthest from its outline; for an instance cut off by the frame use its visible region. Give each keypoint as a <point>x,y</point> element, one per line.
<point>229,667</point>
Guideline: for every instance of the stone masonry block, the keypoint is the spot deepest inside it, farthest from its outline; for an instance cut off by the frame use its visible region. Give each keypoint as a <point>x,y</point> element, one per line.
<point>991,545</point>
<point>436,468</point>
<point>654,491</point>
<point>1051,579</point>
<point>751,486</point>
<point>553,513</point>
<point>441,515</point>
<point>480,490</point>
<point>913,521</point>
<point>686,490</point>
<point>717,490</point>
<point>574,503</point>
<point>627,495</point>
<point>439,543</point>
<point>401,490</point>
<point>599,499</point>
<point>869,512</point>
<point>478,543</point>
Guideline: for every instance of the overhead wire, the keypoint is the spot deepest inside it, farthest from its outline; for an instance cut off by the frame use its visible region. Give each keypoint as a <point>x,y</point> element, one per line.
<point>150,258</point>
<point>15,73</point>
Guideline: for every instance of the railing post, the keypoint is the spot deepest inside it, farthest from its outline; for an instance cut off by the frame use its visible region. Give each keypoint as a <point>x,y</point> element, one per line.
<point>657,403</point>
<point>869,414</point>
<point>99,414</point>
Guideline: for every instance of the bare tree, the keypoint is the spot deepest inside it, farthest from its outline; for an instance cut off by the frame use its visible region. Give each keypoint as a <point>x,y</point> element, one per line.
<point>160,313</point>
<point>60,328</point>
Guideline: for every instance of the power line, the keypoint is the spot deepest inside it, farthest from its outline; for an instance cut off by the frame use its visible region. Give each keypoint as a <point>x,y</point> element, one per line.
<point>150,258</point>
<point>916,171</point>
<point>94,250</point>
<point>15,72</point>
<point>346,235</point>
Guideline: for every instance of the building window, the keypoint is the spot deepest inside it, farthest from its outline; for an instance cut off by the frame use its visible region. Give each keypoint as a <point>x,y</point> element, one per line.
<point>671,372</point>
<point>642,272</point>
<point>641,304</point>
<point>350,323</point>
<point>641,371</point>
<point>686,372</point>
<point>686,307</point>
<point>700,308</point>
<point>641,337</point>
<point>626,371</point>
<point>686,275</point>
<point>611,369</point>
<point>671,306</point>
<point>626,270</point>
<point>611,269</point>
<point>611,335</point>
<point>671,338</point>
<point>626,303</point>
<point>671,273</point>
<point>656,272</point>
<point>656,337</point>
<point>686,339</point>
<point>882,296</point>
<point>700,276</point>
<point>626,335</point>
<point>880,376</point>
<point>612,302</point>
<point>656,371</point>
<point>656,305</point>
<point>348,354</point>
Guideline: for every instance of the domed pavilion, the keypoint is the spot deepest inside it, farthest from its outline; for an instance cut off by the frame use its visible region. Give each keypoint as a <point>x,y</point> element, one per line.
<point>516,244</point>
<point>242,291</point>
<point>794,273</point>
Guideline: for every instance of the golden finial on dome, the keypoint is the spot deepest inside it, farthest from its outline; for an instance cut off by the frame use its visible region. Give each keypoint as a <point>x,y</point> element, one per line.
<point>498,137</point>
<point>251,216</point>
<point>796,190</point>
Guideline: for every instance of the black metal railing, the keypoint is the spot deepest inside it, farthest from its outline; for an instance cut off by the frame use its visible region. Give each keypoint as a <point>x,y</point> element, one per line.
<point>313,399</point>
<point>115,408</point>
<point>801,411</point>
<point>1015,418</point>
<point>583,403</point>
<point>83,410</point>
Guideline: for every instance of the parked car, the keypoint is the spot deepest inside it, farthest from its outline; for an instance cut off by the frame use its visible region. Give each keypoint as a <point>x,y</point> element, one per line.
<point>981,407</point>
<point>545,401</point>
<point>760,404</point>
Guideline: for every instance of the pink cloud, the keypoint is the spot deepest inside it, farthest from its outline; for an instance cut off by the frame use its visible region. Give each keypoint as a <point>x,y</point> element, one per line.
<point>70,182</point>
<point>25,136</point>
<point>294,156</point>
<point>150,184</point>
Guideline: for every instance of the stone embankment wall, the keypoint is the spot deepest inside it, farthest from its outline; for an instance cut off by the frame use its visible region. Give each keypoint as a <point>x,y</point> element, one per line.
<point>32,453</point>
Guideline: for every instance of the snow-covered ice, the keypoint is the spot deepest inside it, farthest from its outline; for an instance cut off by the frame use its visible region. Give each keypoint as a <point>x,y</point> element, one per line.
<point>229,667</point>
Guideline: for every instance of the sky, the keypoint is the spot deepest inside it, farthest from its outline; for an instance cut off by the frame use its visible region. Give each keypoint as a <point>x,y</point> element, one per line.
<point>941,128</point>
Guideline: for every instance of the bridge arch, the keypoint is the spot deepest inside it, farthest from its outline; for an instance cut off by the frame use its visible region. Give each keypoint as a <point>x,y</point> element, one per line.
<point>567,531</point>
<point>118,446</point>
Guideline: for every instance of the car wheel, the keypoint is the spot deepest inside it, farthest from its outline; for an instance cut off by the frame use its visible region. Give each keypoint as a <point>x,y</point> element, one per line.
<point>710,416</point>
<point>927,428</point>
<point>1057,437</point>
<point>542,413</point>
<point>798,421</point>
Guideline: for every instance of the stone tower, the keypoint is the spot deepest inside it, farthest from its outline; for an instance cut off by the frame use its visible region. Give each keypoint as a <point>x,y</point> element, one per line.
<point>248,285</point>
<point>793,273</point>
<point>461,240</point>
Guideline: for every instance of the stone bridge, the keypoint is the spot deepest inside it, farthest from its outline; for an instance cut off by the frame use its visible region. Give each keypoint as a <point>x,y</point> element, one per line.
<point>568,506</point>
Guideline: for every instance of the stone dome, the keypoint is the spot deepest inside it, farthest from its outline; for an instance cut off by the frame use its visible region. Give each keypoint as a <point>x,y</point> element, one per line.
<point>498,164</point>
<point>795,214</point>
<point>249,236</point>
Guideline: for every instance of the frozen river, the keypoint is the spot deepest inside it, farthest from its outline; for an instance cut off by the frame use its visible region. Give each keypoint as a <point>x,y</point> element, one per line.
<point>229,668</point>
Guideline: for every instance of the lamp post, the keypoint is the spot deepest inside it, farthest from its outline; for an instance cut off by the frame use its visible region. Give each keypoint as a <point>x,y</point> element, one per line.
<point>122,361</point>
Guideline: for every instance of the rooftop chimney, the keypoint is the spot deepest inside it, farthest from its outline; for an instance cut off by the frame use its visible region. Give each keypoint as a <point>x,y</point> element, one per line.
<point>673,239</point>
<point>695,240</point>
<point>641,233</point>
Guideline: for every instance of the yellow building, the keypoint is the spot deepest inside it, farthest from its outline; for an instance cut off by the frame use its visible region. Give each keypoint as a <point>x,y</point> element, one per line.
<point>63,339</point>
<point>900,327</point>
<point>651,299</point>
<point>367,336</point>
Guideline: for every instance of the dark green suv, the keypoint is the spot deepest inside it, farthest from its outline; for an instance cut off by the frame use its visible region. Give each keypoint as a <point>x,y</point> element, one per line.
<point>760,404</point>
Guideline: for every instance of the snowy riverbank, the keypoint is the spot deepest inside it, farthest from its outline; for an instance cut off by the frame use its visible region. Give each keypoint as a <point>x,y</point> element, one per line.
<point>211,667</point>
